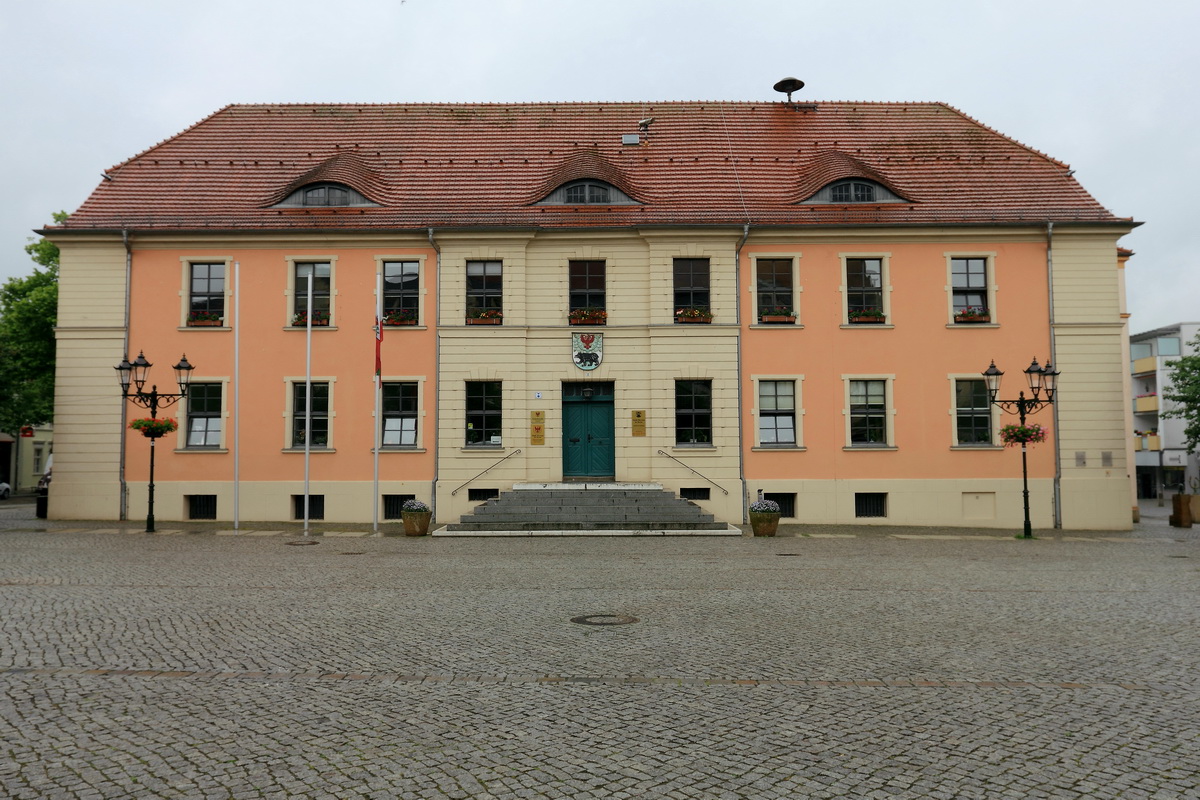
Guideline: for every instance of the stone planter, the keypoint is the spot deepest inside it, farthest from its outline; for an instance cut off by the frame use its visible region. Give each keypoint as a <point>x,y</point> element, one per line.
<point>416,523</point>
<point>764,523</point>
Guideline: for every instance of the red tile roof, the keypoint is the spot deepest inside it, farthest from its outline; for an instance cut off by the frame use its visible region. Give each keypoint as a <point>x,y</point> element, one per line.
<point>699,163</point>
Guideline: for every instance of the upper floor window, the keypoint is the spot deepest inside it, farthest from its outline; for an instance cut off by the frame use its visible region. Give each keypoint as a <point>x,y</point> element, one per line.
<point>485,290</point>
<point>587,285</point>
<point>969,287</point>
<point>328,195</point>
<point>864,290</point>
<point>206,294</point>
<point>774,287</point>
<point>321,275</point>
<point>401,291</point>
<point>691,284</point>
<point>587,192</point>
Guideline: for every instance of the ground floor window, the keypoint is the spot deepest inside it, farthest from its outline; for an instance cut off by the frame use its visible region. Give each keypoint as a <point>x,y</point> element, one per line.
<point>484,413</point>
<point>316,506</point>
<point>693,412</point>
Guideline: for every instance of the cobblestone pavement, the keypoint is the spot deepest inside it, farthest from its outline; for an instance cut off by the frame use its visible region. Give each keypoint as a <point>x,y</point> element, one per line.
<point>828,663</point>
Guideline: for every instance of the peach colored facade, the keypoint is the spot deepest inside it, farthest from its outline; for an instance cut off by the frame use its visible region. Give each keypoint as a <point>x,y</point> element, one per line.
<point>647,209</point>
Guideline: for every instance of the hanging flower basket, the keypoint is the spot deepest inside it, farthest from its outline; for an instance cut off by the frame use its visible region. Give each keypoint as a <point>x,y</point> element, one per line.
<point>154,428</point>
<point>1013,435</point>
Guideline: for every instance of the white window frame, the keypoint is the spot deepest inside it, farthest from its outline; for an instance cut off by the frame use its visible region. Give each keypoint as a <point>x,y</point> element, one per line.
<point>797,382</point>
<point>288,396</point>
<point>181,438</point>
<point>993,410</point>
<point>419,446</point>
<point>889,412</point>
<point>885,280</point>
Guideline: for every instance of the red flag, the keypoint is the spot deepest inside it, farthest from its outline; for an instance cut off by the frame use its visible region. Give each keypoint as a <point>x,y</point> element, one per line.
<point>378,347</point>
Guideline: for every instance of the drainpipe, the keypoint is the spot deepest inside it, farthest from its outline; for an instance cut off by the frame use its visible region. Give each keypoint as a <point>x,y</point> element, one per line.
<point>123,512</point>
<point>1054,355</point>
<point>737,296</point>
<point>437,362</point>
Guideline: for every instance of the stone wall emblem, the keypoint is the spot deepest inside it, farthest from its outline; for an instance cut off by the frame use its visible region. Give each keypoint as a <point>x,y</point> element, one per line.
<point>587,350</point>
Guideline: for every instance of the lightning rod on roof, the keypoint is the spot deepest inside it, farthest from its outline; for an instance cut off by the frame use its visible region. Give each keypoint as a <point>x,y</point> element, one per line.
<point>789,85</point>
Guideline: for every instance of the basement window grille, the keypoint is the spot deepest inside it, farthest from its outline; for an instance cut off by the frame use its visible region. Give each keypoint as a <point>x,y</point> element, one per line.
<point>393,505</point>
<point>480,495</point>
<point>786,500</point>
<point>202,506</point>
<point>316,506</point>
<point>870,504</point>
<point>695,493</point>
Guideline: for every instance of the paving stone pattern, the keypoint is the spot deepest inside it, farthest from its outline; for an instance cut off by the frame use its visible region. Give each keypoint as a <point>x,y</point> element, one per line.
<point>859,665</point>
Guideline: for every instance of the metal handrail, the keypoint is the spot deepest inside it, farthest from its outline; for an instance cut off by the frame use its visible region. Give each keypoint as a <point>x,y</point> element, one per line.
<point>710,480</point>
<point>510,455</point>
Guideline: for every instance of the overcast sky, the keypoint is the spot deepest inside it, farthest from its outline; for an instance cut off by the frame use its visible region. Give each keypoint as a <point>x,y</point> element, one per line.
<point>1108,87</point>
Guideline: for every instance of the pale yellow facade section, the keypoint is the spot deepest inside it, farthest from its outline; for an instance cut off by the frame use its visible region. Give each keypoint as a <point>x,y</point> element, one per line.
<point>88,406</point>
<point>1091,405</point>
<point>645,352</point>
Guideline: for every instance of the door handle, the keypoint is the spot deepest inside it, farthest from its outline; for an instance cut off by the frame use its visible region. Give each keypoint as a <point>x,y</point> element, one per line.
<point>573,441</point>
<point>589,437</point>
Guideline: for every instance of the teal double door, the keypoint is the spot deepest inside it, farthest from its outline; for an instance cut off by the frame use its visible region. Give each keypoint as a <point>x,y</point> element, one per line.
<point>589,450</point>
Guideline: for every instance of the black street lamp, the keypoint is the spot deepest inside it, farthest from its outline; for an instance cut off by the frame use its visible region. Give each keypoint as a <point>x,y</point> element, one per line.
<point>1041,379</point>
<point>152,400</point>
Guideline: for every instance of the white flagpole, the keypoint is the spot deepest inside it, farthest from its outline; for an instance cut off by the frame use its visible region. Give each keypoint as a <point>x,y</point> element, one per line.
<point>237,392</point>
<point>378,391</point>
<point>312,268</point>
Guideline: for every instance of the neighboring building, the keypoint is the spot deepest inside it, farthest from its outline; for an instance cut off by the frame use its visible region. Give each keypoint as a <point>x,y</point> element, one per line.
<point>1163,462</point>
<point>23,458</point>
<point>862,264</point>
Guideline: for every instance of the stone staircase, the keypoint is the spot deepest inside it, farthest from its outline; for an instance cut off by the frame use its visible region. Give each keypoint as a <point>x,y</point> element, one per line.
<point>588,509</point>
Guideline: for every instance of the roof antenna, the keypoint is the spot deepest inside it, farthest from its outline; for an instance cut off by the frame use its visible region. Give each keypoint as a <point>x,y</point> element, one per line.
<point>789,85</point>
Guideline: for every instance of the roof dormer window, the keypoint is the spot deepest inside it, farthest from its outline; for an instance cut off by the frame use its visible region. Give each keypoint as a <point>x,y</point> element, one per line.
<point>586,193</point>
<point>854,190</point>
<point>325,195</point>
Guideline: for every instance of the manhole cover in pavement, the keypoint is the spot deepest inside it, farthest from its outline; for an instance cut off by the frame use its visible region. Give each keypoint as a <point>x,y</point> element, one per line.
<point>604,619</point>
<point>301,542</point>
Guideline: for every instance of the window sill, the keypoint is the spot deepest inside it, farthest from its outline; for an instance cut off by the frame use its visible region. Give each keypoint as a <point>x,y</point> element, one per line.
<point>314,327</point>
<point>483,449</point>
<point>870,448</point>
<point>311,450</point>
<point>387,328</point>
<point>695,449</point>
<point>984,447</point>
<point>867,326</point>
<point>786,448</point>
<point>201,450</point>
<point>782,326</point>
<point>969,325</point>
<point>204,328</point>
<point>398,448</point>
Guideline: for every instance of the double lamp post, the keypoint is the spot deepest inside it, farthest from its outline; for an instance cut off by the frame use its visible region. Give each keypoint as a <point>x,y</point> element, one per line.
<point>135,374</point>
<point>1040,379</point>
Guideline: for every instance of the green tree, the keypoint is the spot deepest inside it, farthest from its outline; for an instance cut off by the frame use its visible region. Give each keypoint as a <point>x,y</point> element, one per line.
<point>1184,394</point>
<point>28,314</point>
